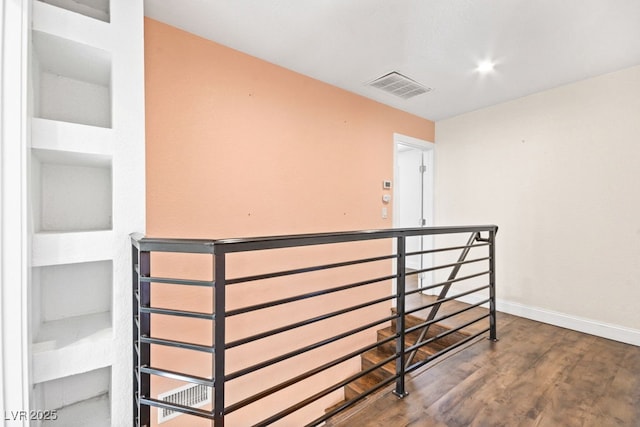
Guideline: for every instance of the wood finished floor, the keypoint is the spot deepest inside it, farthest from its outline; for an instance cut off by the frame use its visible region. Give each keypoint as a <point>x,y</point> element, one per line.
<point>536,375</point>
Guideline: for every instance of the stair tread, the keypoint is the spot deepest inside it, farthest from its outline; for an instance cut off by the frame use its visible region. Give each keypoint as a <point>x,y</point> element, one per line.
<point>387,349</point>
<point>410,338</point>
<point>412,320</point>
<point>360,386</point>
<point>448,307</point>
<point>384,351</point>
<point>436,330</point>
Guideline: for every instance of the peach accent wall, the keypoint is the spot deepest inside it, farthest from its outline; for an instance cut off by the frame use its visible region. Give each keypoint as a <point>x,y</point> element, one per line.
<point>239,147</point>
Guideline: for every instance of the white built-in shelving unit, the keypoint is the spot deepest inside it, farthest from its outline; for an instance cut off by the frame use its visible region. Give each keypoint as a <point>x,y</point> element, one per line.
<point>86,194</point>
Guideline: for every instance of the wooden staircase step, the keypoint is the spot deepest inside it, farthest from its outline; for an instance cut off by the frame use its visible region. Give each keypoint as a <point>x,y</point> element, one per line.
<point>332,407</point>
<point>416,319</point>
<point>383,351</point>
<point>434,329</point>
<point>372,358</point>
<point>361,385</point>
<point>410,339</point>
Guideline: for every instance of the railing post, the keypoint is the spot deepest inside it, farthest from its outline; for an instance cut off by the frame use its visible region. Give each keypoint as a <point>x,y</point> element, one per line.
<point>134,330</point>
<point>400,321</point>
<point>219,338</point>
<point>143,291</point>
<point>493,334</point>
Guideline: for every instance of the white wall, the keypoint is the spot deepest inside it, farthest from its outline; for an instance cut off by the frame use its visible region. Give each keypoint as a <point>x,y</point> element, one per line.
<point>559,172</point>
<point>84,190</point>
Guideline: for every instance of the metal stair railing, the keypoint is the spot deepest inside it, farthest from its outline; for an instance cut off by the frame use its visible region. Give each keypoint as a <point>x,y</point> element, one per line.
<point>146,341</point>
<point>475,236</point>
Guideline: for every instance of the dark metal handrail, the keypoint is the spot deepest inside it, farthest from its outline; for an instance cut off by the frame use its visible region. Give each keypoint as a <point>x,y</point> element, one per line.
<point>142,247</point>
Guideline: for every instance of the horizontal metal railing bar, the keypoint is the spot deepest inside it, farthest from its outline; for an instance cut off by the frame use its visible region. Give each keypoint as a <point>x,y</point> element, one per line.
<point>307,269</point>
<point>424,327</point>
<point>279,242</point>
<point>442,300</point>
<point>171,281</point>
<point>444,317</point>
<point>446,282</point>
<point>307,322</point>
<point>305,375</point>
<point>445,333</point>
<point>307,348</point>
<point>326,391</point>
<point>450,248</point>
<point>151,244</point>
<point>447,349</point>
<point>176,407</point>
<point>453,264</point>
<point>350,402</point>
<point>211,246</point>
<point>177,344</point>
<point>307,295</point>
<point>179,313</point>
<point>180,376</point>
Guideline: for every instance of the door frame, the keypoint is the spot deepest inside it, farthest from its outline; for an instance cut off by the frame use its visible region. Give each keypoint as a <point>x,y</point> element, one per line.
<point>428,149</point>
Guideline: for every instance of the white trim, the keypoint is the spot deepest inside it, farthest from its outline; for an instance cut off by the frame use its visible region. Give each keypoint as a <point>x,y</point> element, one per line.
<point>410,140</point>
<point>576,323</point>
<point>581,324</point>
<point>14,271</point>
<point>427,146</point>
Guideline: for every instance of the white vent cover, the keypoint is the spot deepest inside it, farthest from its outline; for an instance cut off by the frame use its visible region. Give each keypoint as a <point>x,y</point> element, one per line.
<point>399,85</point>
<point>194,395</point>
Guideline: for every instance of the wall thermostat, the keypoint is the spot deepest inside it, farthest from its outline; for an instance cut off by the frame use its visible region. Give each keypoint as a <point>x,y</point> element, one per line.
<point>386,185</point>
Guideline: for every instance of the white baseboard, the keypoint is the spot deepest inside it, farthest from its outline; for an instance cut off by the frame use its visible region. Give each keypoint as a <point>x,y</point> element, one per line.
<point>580,324</point>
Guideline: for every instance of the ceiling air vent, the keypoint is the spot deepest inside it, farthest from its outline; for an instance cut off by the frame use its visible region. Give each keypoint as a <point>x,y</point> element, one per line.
<point>399,85</point>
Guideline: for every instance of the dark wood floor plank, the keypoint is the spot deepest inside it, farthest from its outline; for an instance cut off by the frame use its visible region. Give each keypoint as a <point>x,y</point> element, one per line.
<point>619,405</point>
<point>509,384</point>
<point>536,375</point>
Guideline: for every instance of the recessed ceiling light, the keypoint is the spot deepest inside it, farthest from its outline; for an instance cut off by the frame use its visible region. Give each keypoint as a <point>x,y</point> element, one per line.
<point>485,67</point>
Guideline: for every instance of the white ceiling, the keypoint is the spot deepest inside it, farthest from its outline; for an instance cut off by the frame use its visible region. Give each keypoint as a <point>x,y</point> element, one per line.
<point>535,44</point>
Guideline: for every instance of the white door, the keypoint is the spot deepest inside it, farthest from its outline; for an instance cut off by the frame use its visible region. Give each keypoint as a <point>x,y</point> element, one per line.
<point>413,197</point>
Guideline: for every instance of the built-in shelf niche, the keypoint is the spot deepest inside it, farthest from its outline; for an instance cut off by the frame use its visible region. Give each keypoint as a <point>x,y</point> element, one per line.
<point>71,82</point>
<point>67,298</point>
<point>71,318</point>
<point>79,400</point>
<point>98,9</point>
<point>70,191</point>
